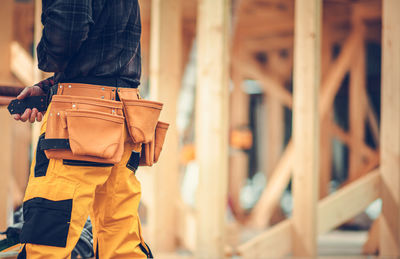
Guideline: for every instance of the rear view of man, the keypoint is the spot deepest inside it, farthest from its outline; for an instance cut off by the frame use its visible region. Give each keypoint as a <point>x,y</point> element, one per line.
<point>93,48</point>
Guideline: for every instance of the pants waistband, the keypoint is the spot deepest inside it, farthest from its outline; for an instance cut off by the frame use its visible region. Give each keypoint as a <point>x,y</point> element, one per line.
<point>105,81</point>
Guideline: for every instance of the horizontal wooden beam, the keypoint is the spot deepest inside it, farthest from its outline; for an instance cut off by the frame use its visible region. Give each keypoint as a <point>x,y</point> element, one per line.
<point>348,201</point>
<point>273,243</point>
<point>332,211</point>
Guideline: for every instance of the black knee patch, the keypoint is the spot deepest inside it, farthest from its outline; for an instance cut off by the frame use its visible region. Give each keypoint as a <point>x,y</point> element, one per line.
<point>46,222</point>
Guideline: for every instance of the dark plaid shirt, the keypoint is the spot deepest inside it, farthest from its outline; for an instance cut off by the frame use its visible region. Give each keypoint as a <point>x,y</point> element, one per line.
<point>91,39</point>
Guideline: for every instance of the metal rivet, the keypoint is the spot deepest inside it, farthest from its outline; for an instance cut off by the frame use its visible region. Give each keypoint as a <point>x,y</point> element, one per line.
<point>69,86</point>
<point>102,97</point>
<point>58,114</point>
<point>113,90</point>
<point>102,88</point>
<point>73,106</point>
<point>60,86</point>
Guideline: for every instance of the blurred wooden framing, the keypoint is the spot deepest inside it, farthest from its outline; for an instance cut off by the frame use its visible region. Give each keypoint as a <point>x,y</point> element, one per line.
<point>267,27</point>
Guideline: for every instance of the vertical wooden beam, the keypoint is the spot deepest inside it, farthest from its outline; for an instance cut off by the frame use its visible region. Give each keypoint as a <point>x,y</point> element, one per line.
<point>6,12</point>
<point>390,133</point>
<point>357,107</point>
<point>6,29</point>
<point>165,79</point>
<point>238,160</point>
<point>306,126</point>
<point>275,130</point>
<point>212,125</point>
<point>6,167</point>
<point>327,121</point>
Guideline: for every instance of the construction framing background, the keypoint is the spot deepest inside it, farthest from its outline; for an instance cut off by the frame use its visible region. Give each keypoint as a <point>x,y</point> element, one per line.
<point>277,43</point>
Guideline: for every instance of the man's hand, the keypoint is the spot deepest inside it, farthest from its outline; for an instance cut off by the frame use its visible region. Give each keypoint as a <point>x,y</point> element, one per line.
<point>29,114</point>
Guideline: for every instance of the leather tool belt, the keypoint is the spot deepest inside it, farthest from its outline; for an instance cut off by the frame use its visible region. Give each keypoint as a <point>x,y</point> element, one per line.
<point>87,122</point>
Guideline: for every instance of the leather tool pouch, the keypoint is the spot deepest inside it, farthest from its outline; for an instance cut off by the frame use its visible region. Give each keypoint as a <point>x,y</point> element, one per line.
<point>142,123</point>
<point>151,151</point>
<point>141,119</point>
<point>84,128</point>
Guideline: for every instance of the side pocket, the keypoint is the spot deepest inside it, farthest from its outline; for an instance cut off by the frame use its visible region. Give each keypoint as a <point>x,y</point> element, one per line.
<point>141,116</point>
<point>94,133</point>
<point>161,132</point>
<point>46,221</point>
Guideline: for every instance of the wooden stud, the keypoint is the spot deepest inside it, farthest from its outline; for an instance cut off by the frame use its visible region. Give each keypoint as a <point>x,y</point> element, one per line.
<point>6,28</point>
<point>325,170</point>
<point>274,125</point>
<point>306,85</point>
<point>6,167</point>
<point>165,79</point>
<point>211,125</point>
<point>238,161</point>
<point>357,108</point>
<point>390,134</point>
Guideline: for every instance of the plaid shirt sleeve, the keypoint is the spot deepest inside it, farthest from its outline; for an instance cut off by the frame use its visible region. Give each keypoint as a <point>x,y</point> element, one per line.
<point>66,25</point>
<point>46,84</point>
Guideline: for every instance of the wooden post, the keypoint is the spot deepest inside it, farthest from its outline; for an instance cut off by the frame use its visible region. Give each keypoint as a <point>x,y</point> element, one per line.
<point>6,167</point>
<point>390,134</point>
<point>165,79</point>
<point>238,161</point>
<point>212,125</point>
<point>327,121</point>
<point>357,106</point>
<point>306,126</point>
<point>6,28</point>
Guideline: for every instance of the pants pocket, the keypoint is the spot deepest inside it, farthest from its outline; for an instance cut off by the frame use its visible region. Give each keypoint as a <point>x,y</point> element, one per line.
<point>46,221</point>
<point>94,133</point>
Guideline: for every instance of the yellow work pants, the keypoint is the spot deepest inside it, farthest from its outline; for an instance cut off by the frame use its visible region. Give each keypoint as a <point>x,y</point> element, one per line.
<point>62,194</point>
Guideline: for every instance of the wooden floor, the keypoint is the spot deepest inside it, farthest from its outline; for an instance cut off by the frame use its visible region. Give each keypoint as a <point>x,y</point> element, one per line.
<point>333,245</point>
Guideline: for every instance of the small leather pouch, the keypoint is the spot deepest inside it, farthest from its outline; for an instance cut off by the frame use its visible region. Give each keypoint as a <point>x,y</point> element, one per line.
<point>161,132</point>
<point>147,154</point>
<point>93,133</point>
<point>141,117</point>
<point>151,151</point>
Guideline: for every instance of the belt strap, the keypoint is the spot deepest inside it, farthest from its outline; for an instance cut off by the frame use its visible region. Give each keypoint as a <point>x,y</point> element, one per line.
<point>54,143</point>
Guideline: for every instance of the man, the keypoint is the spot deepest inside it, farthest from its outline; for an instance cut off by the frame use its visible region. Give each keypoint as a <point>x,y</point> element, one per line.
<point>94,42</point>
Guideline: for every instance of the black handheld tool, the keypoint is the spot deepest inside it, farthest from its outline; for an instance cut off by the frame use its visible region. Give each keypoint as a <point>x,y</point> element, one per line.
<point>19,106</point>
